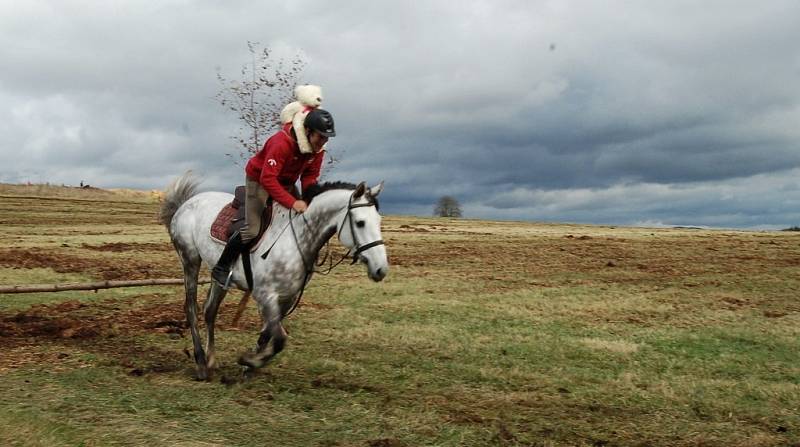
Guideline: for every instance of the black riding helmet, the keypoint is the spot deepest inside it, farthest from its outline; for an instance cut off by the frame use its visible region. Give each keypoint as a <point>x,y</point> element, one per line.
<point>321,121</point>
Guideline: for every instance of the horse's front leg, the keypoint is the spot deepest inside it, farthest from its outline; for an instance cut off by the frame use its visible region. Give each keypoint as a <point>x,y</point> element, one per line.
<point>271,330</point>
<point>215,296</point>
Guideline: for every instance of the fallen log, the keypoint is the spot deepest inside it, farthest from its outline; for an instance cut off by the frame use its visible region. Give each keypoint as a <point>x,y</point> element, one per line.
<point>32,288</point>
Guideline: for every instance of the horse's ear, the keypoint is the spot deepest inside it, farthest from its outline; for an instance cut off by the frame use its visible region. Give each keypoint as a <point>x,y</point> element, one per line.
<point>375,190</point>
<point>360,190</point>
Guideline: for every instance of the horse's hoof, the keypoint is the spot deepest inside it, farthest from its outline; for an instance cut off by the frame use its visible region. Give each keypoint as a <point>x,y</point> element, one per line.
<point>248,373</point>
<point>202,374</point>
<point>250,362</point>
<point>245,361</point>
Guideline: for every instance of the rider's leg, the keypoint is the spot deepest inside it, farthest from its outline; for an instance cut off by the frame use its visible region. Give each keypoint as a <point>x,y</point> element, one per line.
<point>256,198</point>
<point>254,203</point>
<point>224,267</point>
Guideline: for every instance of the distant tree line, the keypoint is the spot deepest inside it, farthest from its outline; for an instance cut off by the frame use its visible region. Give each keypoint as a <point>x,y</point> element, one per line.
<point>794,228</point>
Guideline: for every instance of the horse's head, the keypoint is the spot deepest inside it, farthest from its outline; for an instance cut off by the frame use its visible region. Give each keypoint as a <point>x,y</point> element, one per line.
<point>360,231</point>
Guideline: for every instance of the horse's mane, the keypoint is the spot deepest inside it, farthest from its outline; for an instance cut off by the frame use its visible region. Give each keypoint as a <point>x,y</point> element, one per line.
<point>317,189</point>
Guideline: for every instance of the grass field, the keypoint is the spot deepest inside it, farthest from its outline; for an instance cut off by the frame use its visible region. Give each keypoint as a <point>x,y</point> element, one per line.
<point>484,333</point>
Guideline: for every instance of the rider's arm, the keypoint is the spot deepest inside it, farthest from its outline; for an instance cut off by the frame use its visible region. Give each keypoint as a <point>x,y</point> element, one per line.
<point>277,153</point>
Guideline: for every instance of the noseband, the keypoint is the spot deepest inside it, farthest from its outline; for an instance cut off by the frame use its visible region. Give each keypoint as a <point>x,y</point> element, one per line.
<point>348,216</point>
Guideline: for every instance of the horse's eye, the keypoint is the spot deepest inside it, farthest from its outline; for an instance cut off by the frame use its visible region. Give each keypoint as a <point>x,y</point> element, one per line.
<point>360,224</point>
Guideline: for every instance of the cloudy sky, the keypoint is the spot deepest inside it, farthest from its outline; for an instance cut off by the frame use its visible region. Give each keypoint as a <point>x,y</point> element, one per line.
<point>610,112</point>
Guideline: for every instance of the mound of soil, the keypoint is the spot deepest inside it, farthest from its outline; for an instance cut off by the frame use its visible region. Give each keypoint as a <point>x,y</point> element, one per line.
<point>76,320</point>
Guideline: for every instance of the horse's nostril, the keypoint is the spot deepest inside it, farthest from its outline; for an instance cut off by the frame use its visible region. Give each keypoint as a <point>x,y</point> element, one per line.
<point>379,272</point>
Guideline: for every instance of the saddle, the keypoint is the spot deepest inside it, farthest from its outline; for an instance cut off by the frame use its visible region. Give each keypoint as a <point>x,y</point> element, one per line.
<point>231,218</point>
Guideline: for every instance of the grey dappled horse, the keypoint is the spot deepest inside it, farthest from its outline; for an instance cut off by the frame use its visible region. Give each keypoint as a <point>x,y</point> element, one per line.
<point>293,242</point>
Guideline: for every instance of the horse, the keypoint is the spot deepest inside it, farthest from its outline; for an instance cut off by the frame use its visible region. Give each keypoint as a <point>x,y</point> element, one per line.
<point>282,264</point>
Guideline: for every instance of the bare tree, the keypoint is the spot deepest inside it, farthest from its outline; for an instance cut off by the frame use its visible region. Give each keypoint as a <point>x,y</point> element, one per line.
<point>447,206</point>
<point>267,84</point>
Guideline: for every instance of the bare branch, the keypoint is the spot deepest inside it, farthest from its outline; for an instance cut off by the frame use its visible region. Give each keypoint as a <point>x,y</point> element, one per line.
<point>266,85</point>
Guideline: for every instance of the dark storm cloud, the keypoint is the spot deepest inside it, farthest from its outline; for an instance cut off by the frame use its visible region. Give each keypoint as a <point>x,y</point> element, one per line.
<point>594,112</point>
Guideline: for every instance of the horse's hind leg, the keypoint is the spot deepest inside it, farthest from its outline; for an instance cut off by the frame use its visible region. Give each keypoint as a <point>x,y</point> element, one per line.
<point>215,296</point>
<point>191,271</point>
<point>271,330</point>
<point>240,309</point>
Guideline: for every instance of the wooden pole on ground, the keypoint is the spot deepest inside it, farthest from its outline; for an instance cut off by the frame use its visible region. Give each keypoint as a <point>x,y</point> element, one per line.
<point>32,288</point>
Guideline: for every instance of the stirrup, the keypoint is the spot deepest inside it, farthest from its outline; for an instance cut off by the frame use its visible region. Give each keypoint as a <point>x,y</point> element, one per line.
<point>227,284</point>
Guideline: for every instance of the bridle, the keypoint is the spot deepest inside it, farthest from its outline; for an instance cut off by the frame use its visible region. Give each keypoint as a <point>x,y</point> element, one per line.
<point>348,216</point>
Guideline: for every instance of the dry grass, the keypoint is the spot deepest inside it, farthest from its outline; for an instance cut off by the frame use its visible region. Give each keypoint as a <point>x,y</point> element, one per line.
<point>616,346</point>
<point>78,193</point>
<point>485,333</point>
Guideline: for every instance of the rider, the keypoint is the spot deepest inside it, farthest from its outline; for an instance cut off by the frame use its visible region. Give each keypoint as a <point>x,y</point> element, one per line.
<point>272,172</point>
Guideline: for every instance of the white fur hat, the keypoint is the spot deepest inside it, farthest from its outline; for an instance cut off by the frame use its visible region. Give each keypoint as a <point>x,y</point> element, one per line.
<point>307,97</point>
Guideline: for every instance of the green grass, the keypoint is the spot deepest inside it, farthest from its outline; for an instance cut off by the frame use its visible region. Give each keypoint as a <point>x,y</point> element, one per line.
<point>484,333</point>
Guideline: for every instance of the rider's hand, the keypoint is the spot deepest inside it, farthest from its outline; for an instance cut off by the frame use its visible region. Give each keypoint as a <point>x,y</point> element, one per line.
<point>299,206</point>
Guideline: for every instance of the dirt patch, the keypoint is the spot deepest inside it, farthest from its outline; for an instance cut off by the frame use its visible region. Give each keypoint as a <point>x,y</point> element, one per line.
<point>108,269</point>
<point>385,442</point>
<point>433,229</point>
<point>76,320</point>
<point>411,229</point>
<point>305,303</point>
<point>118,247</point>
<point>73,319</point>
<point>103,327</point>
<point>25,325</point>
<point>133,270</point>
<point>31,258</point>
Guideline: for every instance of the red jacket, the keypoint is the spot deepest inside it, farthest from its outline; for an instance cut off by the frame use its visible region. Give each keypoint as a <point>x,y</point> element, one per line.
<point>279,164</point>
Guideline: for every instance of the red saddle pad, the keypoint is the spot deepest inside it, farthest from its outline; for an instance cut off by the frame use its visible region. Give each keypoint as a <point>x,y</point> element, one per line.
<point>221,225</point>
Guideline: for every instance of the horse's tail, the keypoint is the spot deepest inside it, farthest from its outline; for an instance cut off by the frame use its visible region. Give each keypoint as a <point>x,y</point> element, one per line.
<point>178,192</point>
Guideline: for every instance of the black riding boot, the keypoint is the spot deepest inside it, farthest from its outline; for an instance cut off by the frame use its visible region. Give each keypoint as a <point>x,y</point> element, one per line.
<point>222,271</point>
